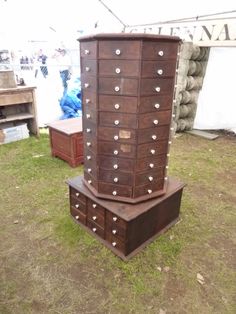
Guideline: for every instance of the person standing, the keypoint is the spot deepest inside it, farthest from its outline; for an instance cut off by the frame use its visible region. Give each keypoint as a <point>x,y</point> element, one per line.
<point>42,59</point>
<point>64,64</point>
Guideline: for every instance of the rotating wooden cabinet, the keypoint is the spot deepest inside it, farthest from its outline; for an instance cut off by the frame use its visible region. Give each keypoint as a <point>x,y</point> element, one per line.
<point>127,93</point>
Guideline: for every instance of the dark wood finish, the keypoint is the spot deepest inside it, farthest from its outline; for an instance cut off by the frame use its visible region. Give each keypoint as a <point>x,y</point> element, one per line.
<point>66,139</point>
<point>126,228</point>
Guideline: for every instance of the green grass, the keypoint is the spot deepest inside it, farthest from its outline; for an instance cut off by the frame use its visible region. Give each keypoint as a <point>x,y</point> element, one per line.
<point>48,264</point>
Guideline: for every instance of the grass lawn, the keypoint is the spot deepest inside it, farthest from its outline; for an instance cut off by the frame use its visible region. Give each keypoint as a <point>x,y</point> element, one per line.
<point>48,264</point>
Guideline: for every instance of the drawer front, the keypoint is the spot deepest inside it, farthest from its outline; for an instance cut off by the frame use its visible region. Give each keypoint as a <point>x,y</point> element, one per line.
<point>159,51</point>
<point>155,103</point>
<point>115,49</point>
<point>92,170</point>
<point>16,98</point>
<point>89,114</point>
<point>91,180</point>
<point>151,163</point>
<point>118,104</point>
<point>154,119</point>
<point>114,190</point>
<point>118,120</point>
<point>116,242</point>
<point>90,162</point>
<point>116,177</point>
<point>90,143</point>
<point>114,163</point>
<point>151,149</point>
<point>61,142</point>
<point>96,213</point>
<point>88,50</point>
<point>96,229</point>
<point>149,188</point>
<point>153,134</point>
<point>78,215</point>
<point>77,204</point>
<point>89,128</point>
<point>89,99</point>
<point>114,221</point>
<point>150,176</point>
<point>119,68</point>
<point>89,83</point>
<point>158,69</point>
<point>117,149</point>
<point>89,67</point>
<point>115,134</point>
<point>113,86</point>
<point>156,86</point>
<point>77,195</point>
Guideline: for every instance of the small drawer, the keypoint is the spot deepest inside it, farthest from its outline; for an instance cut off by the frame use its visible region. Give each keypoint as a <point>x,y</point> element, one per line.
<point>91,180</point>
<point>115,232</point>
<point>115,190</point>
<point>96,229</point>
<point>119,68</point>
<point>118,120</point>
<point>89,99</point>
<point>118,104</point>
<point>116,86</point>
<point>89,67</point>
<point>77,204</point>
<point>150,176</point>
<point>153,134</point>
<point>156,86</point>
<point>152,149</point>
<point>96,213</point>
<point>149,188</point>
<point>89,83</point>
<point>113,222</point>
<point>119,135</point>
<point>88,50</point>
<point>120,49</point>
<point>89,114</point>
<point>90,144</point>
<point>155,103</point>
<point>77,195</point>
<point>119,164</point>
<point>90,159</point>
<point>116,243</point>
<point>151,163</point>
<point>116,177</point>
<point>117,149</point>
<point>89,128</point>
<point>92,170</point>
<point>154,119</point>
<point>78,215</point>
<point>158,68</point>
<point>159,51</point>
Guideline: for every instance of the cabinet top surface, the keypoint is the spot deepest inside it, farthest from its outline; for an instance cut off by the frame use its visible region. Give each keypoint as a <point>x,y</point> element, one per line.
<point>16,89</point>
<point>126,36</point>
<point>67,126</point>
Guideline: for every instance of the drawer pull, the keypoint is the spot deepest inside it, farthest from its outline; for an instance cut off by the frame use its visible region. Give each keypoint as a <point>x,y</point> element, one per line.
<point>86,51</point>
<point>115,179</point>
<point>169,142</point>
<point>115,166</point>
<point>167,167</point>
<point>160,71</point>
<point>117,70</point>
<point>77,217</point>
<point>157,89</point>
<point>154,137</point>
<point>94,229</point>
<point>87,69</point>
<point>88,144</point>
<point>151,165</point>
<point>149,191</point>
<point>168,155</point>
<point>157,106</point>
<point>89,181</point>
<point>88,116</point>
<point>114,193</point>
<point>115,152</point>
<point>94,205</point>
<point>89,170</point>
<point>76,205</point>
<point>117,88</point>
<point>77,194</point>
<point>150,179</point>
<point>161,53</point>
<point>173,115</point>
<point>116,122</point>
<point>114,231</point>
<point>94,218</point>
<point>87,101</point>
<point>166,178</point>
<point>116,137</point>
<point>118,52</point>
<point>86,85</point>
<point>152,151</point>
<point>88,157</point>
<point>114,218</point>
<point>155,122</point>
<point>114,244</point>
<point>88,130</point>
<point>172,129</point>
<point>117,106</point>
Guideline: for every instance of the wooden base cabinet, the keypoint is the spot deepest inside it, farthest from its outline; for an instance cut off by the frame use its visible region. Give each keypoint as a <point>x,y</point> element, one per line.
<point>124,228</point>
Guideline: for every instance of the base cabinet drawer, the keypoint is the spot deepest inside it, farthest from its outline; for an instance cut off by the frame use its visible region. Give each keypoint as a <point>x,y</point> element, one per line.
<point>78,215</point>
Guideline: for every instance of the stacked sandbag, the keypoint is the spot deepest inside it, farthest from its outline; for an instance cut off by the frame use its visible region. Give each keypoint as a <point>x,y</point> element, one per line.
<point>190,73</point>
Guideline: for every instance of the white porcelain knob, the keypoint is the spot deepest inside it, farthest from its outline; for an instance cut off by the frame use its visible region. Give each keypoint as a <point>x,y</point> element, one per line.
<point>116,122</point>
<point>94,218</point>
<point>172,129</point>
<point>87,69</point>
<point>161,53</point>
<point>173,115</point>
<point>114,193</point>
<point>115,179</point>
<point>87,100</point>
<point>94,229</point>
<point>115,152</point>
<point>77,194</point>
<point>117,106</point>
<point>151,165</point>
<point>116,137</point>
<point>114,231</point>
<point>118,52</point>
<point>155,122</point>
<point>88,116</point>
<point>114,244</point>
<point>76,205</point>
<point>117,70</point>
<point>114,218</point>
<point>88,157</point>
<point>77,217</point>
<point>166,178</point>
<point>94,205</point>
<point>154,137</point>
<point>167,167</point>
<point>160,71</point>
<point>86,85</point>
<point>157,89</point>
<point>150,179</point>
<point>115,166</point>
<point>149,191</point>
<point>170,142</point>
<point>157,106</point>
<point>152,151</point>
<point>88,144</point>
<point>117,88</point>
<point>89,170</point>
<point>88,130</point>
<point>168,155</point>
<point>89,181</point>
<point>86,51</point>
